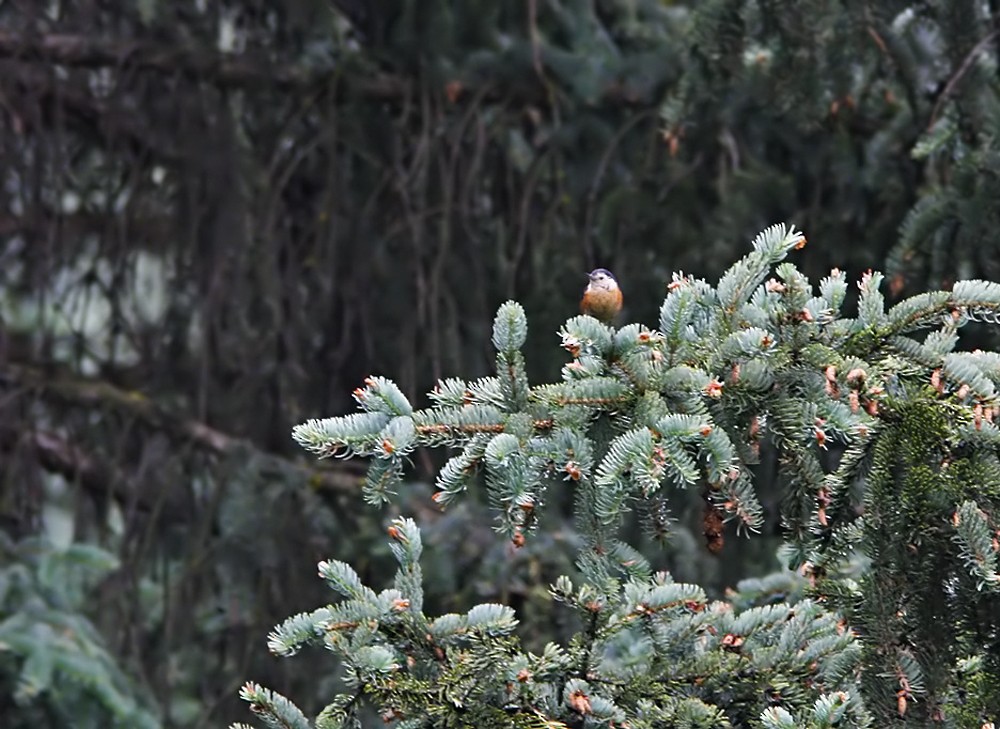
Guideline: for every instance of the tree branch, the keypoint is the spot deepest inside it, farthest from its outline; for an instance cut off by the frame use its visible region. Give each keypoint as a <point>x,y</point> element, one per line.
<point>61,99</point>
<point>341,477</point>
<point>58,455</point>
<point>966,64</point>
<point>244,70</point>
<point>224,68</point>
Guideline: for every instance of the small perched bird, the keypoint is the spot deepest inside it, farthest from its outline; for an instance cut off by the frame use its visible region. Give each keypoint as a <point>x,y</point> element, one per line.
<point>602,299</point>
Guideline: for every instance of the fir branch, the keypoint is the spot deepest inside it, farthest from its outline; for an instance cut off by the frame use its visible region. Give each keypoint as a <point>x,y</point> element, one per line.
<point>597,392</point>
<point>977,298</point>
<point>919,311</point>
<point>274,709</point>
<point>381,395</point>
<point>342,578</point>
<point>406,544</point>
<point>383,474</point>
<point>456,474</point>
<point>978,544</point>
<point>739,282</point>
<point>871,305</point>
<point>833,288</point>
<point>638,410</point>
<point>288,638</point>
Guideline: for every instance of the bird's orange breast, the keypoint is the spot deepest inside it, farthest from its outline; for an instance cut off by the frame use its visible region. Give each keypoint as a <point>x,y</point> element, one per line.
<point>603,305</point>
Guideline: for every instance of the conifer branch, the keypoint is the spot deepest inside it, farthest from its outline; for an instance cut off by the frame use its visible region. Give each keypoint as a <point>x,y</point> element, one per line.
<point>639,413</point>
<point>978,544</point>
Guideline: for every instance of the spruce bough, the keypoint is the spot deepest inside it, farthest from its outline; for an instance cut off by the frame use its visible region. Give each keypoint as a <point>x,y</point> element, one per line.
<point>909,491</point>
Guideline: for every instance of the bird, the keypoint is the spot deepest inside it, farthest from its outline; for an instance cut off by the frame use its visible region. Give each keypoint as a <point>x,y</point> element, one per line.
<point>602,299</point>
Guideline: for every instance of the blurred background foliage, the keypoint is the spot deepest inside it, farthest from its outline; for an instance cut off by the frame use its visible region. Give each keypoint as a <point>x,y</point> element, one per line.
<point>218,216</point>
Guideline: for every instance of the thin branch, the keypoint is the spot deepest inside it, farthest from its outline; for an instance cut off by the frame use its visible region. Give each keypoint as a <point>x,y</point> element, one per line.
<point>949,88</point>
<point>151,228</point>
<point>224,68</point>
<point>595,184</point>
<point>59,100</point>
<point>244,70</point>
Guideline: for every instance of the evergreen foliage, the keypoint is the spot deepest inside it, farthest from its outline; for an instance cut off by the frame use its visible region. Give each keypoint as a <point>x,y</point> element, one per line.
<point>886,453</point>
<point>55,669</point>
<point>653,651</point>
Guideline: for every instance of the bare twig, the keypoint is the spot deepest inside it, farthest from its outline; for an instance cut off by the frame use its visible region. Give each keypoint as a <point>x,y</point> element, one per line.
<point>595,184</point>
<point>949,88</point>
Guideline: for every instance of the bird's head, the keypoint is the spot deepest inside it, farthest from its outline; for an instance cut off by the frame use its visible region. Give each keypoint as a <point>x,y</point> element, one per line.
<point>602,278</point>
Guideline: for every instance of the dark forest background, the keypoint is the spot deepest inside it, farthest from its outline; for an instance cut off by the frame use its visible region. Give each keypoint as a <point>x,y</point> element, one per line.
<point>218,217</point>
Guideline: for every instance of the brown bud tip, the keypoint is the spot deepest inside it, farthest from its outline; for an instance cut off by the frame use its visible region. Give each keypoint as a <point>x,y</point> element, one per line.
<point>580,702</point>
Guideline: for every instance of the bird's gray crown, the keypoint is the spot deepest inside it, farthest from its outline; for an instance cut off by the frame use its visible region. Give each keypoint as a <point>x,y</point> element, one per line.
<point>593,274</point>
